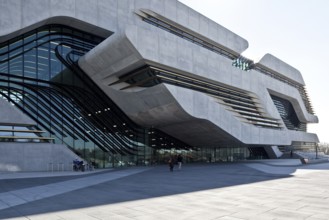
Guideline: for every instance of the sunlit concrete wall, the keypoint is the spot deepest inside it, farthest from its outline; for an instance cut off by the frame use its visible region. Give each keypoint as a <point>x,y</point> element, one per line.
<point>131,43</point>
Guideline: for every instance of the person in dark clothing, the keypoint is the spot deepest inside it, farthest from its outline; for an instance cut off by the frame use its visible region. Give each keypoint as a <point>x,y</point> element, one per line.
<point>171,164</point>
<point>179,161</point>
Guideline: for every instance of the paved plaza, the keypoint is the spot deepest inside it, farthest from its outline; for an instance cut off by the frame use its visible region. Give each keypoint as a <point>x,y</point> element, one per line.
<point>228,191</point>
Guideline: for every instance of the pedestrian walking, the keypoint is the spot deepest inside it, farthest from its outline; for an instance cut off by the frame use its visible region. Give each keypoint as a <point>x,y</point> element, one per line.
<point>179,161</point>
<point>171,163</point>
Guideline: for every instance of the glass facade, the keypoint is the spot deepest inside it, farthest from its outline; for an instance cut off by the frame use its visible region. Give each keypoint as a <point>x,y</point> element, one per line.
<point>39,75</point>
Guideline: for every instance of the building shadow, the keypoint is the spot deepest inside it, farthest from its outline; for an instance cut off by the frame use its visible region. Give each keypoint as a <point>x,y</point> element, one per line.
<point>155,182</point>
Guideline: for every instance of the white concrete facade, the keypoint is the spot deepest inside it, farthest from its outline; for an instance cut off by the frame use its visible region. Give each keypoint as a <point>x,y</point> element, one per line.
<point>191,116</point>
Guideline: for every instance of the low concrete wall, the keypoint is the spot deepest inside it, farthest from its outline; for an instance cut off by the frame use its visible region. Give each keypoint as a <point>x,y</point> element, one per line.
<point>15,157</point>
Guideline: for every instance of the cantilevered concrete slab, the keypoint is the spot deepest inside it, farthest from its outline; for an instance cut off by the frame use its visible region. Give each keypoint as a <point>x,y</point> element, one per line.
<point>199,48</point>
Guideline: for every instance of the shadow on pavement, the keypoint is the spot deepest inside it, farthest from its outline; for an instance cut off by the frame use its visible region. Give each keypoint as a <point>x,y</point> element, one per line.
<point>155,182</point>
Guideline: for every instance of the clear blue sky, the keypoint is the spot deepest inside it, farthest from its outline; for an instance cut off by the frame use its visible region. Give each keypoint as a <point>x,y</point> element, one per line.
<point>295,31</point>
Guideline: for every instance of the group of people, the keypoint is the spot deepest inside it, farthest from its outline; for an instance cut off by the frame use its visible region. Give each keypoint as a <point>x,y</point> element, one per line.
<point>178,159</point>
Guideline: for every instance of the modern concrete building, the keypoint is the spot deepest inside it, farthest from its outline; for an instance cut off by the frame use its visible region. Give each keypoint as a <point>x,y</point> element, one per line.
<point>127,82</point>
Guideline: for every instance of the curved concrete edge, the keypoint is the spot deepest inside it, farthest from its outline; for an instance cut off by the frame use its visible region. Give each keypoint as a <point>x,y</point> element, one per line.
<point>295,99</point>
<point>63,20</point>
<point>146,108</point>
<point>282,68</point>
<point>201,24</point>
<point>166,113</point>
<point>19,16</point>
<point>265,85</point>
<point>112,57</point>
<point>246,133</point>
<point>176,114</point>
<point>212,117</point>
<point>104,64</point>
<point>163,49</point>
<point>178,14</point>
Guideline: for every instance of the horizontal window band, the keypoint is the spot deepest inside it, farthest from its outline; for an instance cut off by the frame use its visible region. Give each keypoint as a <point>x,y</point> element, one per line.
<point>187,34</point>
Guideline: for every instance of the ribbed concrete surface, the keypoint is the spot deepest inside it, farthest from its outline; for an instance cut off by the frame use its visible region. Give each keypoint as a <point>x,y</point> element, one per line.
<point>216,191</point>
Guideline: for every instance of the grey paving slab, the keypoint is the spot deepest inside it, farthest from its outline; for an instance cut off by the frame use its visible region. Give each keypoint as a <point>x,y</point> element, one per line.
<point>25,195</point>
<point>213,191</point>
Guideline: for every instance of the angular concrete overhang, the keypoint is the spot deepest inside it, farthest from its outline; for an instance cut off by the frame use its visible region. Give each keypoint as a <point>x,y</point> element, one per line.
<point>283,90</point>
<point>136,43</point>
<point>281,68</point>
<point>191,116</point>
<point>297,103</point>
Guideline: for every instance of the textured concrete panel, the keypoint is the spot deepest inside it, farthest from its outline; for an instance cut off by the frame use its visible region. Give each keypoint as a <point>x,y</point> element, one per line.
<point>213,66</point>
<point>193,20</point>
<point>187,98</point>
<point>281,67</point>
<point>167,47</point>
<point>85,11</point>
<point>184,55</point>
<point>199,61</point>
<point>203,25</point>
<point>204,107</point>
<point>9,21</point>
<point>125,12</point>
<point>170,9</point>
<point>34,10</point>
<point>148,43</point>
<point>35,157</point>
<point>255,136</point>
<point>201,107</point>
<point>12,115</point>
<point>107,16</point>
<point>157,6</point>
<point>62,7</point>
<point>223,74</point>
<point>111,56</point>
<point>147,108</point>
<point>182,14</point>
<point>246,134</point>
<point>213,30</point>
<point>236,78</point>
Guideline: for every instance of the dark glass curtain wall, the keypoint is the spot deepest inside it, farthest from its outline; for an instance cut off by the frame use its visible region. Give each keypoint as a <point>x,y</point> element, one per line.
<point>288,114</point>
<point>39,75</point>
